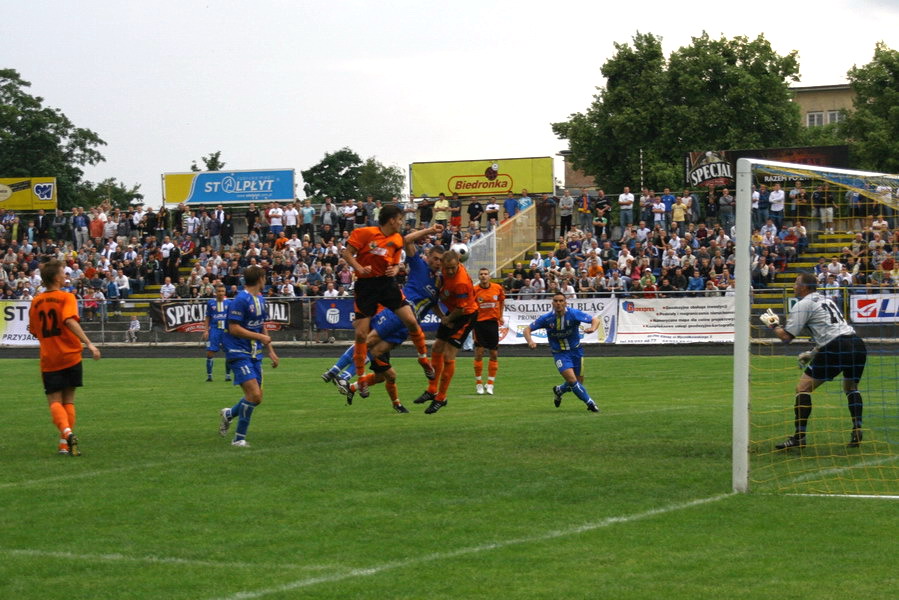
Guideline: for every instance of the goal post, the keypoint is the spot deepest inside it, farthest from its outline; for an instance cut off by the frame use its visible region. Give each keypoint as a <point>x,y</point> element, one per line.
<point>765,370</point>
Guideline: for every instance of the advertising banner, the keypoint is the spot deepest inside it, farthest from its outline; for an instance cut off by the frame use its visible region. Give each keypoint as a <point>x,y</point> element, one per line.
<point>676,320</point>
<point>482,177</point>
<point>338,313</point>
<point>518,314</point>
<point>719,167</point>
<point>14,326</point>
<point>190,316</point>
<point>224,187</point>
<point>874,308</point>
<point>28,193</point>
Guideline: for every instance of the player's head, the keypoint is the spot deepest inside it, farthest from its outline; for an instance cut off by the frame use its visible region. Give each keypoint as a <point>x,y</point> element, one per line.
<point>806,283</point>
<point>253,275</point>
<point>391,215</point>
<point>559,302</point>
<point>50,272</point>
<point>450,263</point>
<point>220,291</point>
<point>435,256</point>
<point>484,276</point>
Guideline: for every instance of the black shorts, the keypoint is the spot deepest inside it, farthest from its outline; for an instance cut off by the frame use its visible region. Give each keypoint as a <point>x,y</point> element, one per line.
<point>381,363</point>
<point>57,381</point>
<point>847,355</point>
<point>369,292</point>
<point>457,331</point>
<point>486,334</point>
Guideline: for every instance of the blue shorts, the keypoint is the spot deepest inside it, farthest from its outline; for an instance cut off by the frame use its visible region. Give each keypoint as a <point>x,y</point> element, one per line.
<point>389,327</point>
<point>569,359</point>
<point>245,369</point>
<point>214,343</point>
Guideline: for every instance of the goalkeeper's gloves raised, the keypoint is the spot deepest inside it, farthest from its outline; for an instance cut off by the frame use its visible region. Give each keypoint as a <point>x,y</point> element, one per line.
<point>769,318</point>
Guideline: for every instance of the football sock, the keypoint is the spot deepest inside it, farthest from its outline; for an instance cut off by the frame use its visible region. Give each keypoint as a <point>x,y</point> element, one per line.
<point>227,369</point>
<point>209,367</point>
<point>449,368</point>
<point>437,362</point>
<point>802,410</point>
<point>565,387</point>
<point>581,392</point>
<point>478,370</point>
<point>360,352</point>
<point>60,418</point>
<point>418,338</point>
<point>369,380</point>
<point>855,408</point>
<point>244,411</point>
<point>345,360</point>
<point>392,391</point>
<point>70,411</point>
<point>492,368</point>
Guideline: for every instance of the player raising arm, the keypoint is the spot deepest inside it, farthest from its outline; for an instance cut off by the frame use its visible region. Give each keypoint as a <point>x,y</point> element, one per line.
<point>837,350</point>
<point>562,325</point>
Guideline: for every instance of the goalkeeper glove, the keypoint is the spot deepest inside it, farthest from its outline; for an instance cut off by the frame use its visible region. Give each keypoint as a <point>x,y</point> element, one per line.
<point>769,318</point>
<point>806,358</point>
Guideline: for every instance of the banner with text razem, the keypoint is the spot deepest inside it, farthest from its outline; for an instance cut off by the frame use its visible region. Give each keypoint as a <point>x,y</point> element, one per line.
<point>187,316</point>
<point>675,320</point>
<point>518,314</point>
<point>14,326</point>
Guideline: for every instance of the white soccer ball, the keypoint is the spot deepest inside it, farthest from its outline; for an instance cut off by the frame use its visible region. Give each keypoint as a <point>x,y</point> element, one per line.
<point>462,250</point>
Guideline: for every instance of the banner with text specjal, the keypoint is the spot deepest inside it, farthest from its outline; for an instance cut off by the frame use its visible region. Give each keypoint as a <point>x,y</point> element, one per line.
<point>483,177</point>
<point>518,314</point>
<point>675,320</point>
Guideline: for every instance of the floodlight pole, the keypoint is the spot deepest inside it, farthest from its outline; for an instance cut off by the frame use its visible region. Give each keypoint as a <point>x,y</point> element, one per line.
<point>742,306</point>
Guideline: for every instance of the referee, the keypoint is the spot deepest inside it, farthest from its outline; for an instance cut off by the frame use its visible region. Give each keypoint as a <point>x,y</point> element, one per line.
<point>837,350</point>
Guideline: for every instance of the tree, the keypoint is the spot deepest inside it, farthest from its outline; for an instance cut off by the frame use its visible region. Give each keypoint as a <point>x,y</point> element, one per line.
<point>873,126</point>
<point>213,162</point>
<point>115,192</point>
<point>710,95</point>
<point>39,141</point>
<point>336,175</point>
<point>382,182</point>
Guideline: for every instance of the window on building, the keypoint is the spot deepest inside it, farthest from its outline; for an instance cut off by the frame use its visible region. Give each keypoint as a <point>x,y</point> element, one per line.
<point>834,116</point>
<point>814,119</point>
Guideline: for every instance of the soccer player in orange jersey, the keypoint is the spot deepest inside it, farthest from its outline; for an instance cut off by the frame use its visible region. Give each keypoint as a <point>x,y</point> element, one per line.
<point>457,294</point>
<point>490,298</point>
<point>375,254</point>
<point>53,320</point>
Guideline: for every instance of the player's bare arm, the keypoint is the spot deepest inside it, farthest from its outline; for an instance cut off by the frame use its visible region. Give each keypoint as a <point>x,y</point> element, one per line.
<point>75,327</point>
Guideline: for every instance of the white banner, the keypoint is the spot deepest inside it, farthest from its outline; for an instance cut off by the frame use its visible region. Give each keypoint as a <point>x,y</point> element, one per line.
<point>676,320</point>
<point>14,327</point>
<point>874,308</point>
<point>518,314</point>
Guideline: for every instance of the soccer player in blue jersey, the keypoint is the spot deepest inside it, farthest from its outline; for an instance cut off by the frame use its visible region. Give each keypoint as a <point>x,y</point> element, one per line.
<point>562,326</point>
<point>243,342</point>
<point>216,323</point>
<point>387,330</point>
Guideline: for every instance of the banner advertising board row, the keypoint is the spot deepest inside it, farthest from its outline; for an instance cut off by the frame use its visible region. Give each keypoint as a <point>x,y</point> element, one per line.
<point>339,313</point>
<point>14,324</point>
<point>229,187</point>
<point>186,317</point>
<point>874,308</point>
<point>719,167</point>
<point>28,193</point>
<point>483,177</point>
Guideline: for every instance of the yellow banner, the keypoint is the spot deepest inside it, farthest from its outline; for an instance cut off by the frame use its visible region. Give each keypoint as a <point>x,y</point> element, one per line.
<point>28,193</point>
<point>483,177</point>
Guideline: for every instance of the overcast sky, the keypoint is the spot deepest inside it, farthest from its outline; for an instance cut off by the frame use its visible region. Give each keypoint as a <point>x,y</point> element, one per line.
<point>277,84</point>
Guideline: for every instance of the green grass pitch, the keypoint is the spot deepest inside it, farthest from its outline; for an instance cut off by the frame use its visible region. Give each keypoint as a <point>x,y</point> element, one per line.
<point>499,496</point>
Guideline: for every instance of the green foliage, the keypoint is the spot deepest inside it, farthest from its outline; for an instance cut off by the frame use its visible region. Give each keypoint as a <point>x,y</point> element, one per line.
<point>115,192</point>
<point>382,182</point>
<point>39,141</point>
<point>336,175</point>
<point>343,175</point>
<point>713,94</point>
<point>874,124</point>
<point>212,162</point>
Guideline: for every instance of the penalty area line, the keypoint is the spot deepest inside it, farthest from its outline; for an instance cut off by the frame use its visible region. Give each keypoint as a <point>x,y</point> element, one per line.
<point>840,470</point>
<point>469,550</point>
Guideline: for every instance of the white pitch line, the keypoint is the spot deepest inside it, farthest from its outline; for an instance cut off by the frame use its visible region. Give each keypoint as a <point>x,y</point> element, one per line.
<point>866,496</point>
<point>550,535</point>
<point>839,470</point>
<point>159,560</point>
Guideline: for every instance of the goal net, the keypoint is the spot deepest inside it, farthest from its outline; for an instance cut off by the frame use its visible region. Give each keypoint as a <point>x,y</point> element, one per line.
<point>850,220</point>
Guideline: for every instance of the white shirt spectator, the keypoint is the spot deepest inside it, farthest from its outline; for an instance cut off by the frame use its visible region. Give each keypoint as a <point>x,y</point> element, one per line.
<point>291,216</point>
<point>777,198</point>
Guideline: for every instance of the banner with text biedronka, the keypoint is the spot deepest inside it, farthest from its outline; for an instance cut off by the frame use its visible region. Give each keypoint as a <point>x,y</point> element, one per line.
<point>518,314</point>
<point>676,320</point>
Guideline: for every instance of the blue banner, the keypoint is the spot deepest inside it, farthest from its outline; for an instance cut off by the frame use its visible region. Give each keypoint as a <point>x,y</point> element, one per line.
<point>338,314</point>
<point>223,187</point>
